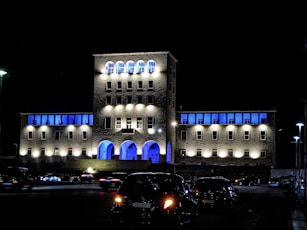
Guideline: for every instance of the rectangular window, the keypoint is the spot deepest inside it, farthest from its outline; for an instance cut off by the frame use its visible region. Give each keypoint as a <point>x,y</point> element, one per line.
<point>119,85</point>
<point>140,85</point>
<point>214,152</point>
<point>69,152</point>
<point>183,134</point>
<point>29,152</point>
<point>263,154</point>
<point>42,151</point>
<point>129,99</point>
<point>43,135</point>
<point>262,135</point>
<point>199,135</point>
<point>246,153</point>
<point>150,85</point>
<point>150,99</point>
<point>56,152</point>
<point>108,100</point>
<point>230,153</point>
<point>84,135</point>
<point>129,85</point>
<point>230,135</point>
<point>129,122</point>
<point>140,99</point>
<point>183,152</point>
<point>107,124</point>
<point>70,135</point>
<point>246,135</point>
<point>198,152</point>
<point>214,135</point>
<point>57,135</point>
<point>150,122</point>
<point>118,124</point>
<point>139,122</point>
<point>30,135</point>
<point>118,100</point>
<point>83,153</point>
<point>109,85</point>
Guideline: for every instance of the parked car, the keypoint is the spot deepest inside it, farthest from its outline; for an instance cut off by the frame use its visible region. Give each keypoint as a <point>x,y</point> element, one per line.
<point>153,198</point>
<point>248,180</point>
<point>51,177</point>
<point>86,177</point>
<point>214,193</point>
<point>16,178</point>
<point>111,180</point>
<point>274,182</point>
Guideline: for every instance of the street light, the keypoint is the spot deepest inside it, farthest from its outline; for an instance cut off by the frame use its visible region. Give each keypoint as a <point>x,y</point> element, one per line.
<point>296,138</point>
<point>299,124</point>
<point>2,73</point>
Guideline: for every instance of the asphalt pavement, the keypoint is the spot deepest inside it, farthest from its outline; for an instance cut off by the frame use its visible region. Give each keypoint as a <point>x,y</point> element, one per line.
<point>298,218</point>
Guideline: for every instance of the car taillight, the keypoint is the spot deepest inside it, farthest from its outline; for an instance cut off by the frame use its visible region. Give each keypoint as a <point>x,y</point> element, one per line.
<point>169,203</point>
<point>118,199</point>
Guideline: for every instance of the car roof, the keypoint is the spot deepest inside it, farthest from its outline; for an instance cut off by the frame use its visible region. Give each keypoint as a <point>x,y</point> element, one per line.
<point>213,178</point>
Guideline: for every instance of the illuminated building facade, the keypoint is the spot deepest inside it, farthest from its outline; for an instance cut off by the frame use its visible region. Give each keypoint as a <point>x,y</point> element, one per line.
<point>135,118</point>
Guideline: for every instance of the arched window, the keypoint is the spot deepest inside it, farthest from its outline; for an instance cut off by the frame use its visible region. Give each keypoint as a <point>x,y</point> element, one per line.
<point>140,65</point>
<point>130,67</point>
<point>109,67</point>
<point>120,67</point>
<point>151,64</point>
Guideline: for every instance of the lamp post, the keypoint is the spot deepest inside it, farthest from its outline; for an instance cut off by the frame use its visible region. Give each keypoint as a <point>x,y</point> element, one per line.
<point>2,73</point>
<point>299,124</point>
<point>296,138</point>
<point>300,160</point>
<point>305,146</point>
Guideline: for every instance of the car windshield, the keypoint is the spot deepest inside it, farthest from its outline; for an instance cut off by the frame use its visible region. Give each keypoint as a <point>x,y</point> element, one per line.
<point>211,184</point>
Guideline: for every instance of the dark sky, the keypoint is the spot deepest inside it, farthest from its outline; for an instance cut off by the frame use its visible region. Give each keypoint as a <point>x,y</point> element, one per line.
<point>230,56</point>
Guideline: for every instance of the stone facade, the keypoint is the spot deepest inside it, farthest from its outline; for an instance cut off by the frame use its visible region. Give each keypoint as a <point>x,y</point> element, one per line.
<point>134,117</point>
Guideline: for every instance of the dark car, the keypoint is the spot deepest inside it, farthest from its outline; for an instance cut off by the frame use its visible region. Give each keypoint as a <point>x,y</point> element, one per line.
<point>86,177</point>
<point>16,179</point>
<point>248,180</point>
<point>214,193</point>
<point>153,198</point>
<point>111,180</point>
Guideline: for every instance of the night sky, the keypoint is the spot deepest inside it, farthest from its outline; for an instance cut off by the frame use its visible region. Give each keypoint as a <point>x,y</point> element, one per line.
<point>230,57</point>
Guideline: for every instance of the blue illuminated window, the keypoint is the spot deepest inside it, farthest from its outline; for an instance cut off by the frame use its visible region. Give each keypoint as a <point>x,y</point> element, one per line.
<point>230,118</point>
<point>246,118</point>
<point>151,64</point>
<point>223,118</point>
<point>207,118</point>
<point>215,118</point>
<point>238,118</point>
<point>109,67</point>
<point>78,119</point>
<point>263,118</point>
<point>140,66</point>
<point>130,67</point>
<point>120,67</point>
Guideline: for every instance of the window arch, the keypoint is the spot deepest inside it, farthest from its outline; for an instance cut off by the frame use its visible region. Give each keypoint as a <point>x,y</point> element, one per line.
<point>151,65</point>
<point>120,67</point>
<point>109,67</point>
<point>130,67</point>
<point>140,65</point>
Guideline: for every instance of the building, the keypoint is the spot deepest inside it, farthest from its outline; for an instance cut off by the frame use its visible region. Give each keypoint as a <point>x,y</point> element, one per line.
<point>135,119</point>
